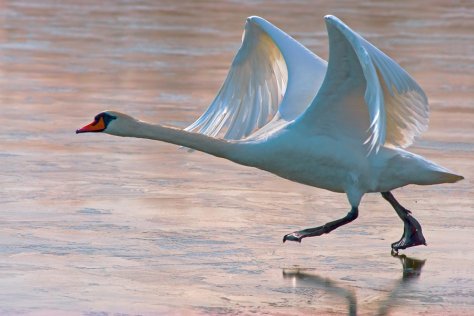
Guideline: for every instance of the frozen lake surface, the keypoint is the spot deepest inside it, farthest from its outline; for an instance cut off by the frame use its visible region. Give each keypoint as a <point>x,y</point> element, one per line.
<point>95,225</point>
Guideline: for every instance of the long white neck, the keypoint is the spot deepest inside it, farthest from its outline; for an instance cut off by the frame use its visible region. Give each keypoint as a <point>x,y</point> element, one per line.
<point>235,151</point>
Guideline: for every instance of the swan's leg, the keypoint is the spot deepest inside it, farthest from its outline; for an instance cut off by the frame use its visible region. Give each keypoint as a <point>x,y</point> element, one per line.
<point>412,234</point>
<point>325,229</point>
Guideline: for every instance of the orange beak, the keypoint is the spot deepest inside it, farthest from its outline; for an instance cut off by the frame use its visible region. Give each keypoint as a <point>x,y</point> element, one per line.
<point>96,126</point>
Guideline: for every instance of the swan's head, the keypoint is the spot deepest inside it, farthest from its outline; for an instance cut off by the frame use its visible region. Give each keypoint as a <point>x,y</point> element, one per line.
<point>109,122</point>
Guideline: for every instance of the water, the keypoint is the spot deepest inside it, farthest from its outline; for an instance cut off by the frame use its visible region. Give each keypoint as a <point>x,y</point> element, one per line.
<point>95,224</point>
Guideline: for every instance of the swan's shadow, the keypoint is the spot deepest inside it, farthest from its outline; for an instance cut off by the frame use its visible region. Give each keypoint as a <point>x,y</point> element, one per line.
<point>411,270</point>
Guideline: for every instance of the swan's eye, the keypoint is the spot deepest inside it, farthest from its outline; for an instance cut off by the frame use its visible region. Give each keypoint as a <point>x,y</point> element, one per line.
<point>107,118</point>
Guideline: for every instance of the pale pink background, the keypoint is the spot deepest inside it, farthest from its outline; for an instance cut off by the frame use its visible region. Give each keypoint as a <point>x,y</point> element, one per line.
<point>95,223</point>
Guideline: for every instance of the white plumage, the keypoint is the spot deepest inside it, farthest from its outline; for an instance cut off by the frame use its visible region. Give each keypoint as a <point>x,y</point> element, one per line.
<point>340,126</point>
<point>257,87</point>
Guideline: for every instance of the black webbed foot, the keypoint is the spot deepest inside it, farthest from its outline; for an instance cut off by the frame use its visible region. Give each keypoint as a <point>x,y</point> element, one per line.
<point>324,229</point>
<point>292,237</point>
<point>310,232</point>
<point>412,235</point>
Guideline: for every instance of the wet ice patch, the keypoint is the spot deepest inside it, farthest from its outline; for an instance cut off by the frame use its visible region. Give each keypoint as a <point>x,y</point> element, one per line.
<point>93,211</point>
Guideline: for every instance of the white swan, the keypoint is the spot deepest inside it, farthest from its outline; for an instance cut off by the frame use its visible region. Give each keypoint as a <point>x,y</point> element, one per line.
<point>337,126</point>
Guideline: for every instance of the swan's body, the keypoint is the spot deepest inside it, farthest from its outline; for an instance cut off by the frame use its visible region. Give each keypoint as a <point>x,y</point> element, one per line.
<point>336,126</point>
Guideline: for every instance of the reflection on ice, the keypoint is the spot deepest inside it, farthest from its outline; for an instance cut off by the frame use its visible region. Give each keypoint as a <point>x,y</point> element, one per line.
<point>411,270</point>
<point>411,267</point>
<point>301,277</point>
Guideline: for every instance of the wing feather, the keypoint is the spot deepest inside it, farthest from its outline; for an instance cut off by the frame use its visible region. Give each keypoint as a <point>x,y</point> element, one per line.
<point>257,90</point>
<point>406,104</point>
<point>252,91</point>
<point>396,106</point>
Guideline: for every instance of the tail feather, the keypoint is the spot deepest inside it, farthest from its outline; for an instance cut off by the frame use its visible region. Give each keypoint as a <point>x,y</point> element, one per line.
<point>435,174</point>
<point>448,177</point>
<point>414,169</point>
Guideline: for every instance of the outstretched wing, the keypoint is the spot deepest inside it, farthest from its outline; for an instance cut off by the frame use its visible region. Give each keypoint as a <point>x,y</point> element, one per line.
<point>367,95</point>
<point>258,83</point>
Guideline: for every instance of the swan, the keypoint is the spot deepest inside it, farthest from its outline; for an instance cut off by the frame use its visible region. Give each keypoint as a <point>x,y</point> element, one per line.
<point>339,125</point>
